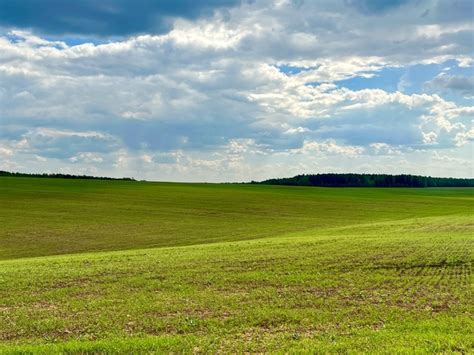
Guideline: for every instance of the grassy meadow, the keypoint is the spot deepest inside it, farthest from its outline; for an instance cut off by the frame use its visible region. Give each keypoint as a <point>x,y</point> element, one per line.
<point>123,266</point>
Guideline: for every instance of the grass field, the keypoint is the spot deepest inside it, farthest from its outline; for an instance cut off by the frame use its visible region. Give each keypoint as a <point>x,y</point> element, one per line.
<point>119,266</point>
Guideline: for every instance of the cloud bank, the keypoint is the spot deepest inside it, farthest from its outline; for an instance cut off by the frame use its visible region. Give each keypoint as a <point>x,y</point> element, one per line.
<point>233,91</point>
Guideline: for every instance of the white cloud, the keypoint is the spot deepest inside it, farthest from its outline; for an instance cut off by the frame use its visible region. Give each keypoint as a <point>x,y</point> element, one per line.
<point>5,151</point>
<point>213,94</point>
<point>329,147</point>
<point>429,138</point>
<point>86,157</point>
<point>384,149</point>
<point>463,138</point>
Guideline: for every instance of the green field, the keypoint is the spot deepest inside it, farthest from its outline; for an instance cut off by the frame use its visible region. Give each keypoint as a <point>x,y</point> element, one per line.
<point>122,266</point>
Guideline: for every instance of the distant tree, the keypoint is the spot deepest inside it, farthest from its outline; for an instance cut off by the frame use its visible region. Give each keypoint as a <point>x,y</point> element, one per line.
<point>369,180</point>
<point>61,176</point>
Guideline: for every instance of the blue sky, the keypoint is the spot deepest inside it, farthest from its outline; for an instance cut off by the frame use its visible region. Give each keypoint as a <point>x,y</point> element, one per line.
<point>236,90</point>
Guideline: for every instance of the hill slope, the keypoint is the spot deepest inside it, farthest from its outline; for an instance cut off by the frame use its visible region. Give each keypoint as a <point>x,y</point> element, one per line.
<point>327,269</point>
<point>43,216</point>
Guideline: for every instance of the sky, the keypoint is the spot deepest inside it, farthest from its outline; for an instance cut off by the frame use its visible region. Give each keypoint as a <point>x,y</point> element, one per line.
<point>234,90</point>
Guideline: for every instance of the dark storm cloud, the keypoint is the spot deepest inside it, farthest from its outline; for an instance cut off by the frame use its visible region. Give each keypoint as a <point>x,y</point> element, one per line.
<point>106,18</point>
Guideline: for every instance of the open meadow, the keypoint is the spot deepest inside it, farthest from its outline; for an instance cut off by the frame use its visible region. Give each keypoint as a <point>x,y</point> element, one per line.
<point>125,266</point>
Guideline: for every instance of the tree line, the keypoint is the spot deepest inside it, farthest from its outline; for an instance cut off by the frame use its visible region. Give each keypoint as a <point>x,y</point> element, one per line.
<point>323,180</point>
<point>61,176</point>
<point>368,180</point>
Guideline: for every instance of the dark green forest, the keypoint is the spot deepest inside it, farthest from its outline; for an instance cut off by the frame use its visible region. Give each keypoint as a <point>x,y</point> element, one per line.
<point>324,180</point>
<point>60,176</point>
<point>369,180</point>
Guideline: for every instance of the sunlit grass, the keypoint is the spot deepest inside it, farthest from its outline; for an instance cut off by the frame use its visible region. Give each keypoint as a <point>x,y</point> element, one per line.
<point>391,273</point>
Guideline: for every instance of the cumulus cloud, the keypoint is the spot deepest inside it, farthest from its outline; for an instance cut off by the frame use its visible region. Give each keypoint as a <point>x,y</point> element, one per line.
<point>235,93</point>
<point>86,157</point>
<point>48,142</point>
<point>5,151</point>
<point>463,138</point>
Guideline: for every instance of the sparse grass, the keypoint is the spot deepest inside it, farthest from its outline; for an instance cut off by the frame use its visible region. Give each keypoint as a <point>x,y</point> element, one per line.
<point>358,270</point>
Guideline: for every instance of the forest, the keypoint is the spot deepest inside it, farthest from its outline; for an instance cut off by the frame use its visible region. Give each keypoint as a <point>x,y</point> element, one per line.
<point>61,176</point>
<point>369,180</point>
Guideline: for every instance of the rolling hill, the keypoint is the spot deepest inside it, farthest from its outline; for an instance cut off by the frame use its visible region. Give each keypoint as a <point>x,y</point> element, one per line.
<point>126,266</point>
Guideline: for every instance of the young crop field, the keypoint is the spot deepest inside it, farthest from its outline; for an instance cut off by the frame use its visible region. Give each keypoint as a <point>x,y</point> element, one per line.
<point>127,267</point>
